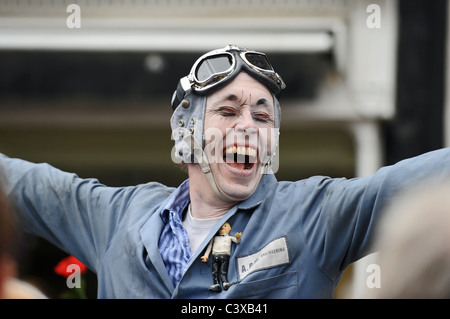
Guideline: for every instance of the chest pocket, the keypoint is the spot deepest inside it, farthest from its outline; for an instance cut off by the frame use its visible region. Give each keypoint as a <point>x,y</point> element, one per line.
<point>260,275</point>
<point>274,254</point>
<point>283,286</point>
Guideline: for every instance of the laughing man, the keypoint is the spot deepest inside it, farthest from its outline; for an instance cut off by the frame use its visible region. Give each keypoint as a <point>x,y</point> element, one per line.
<point>146,241</point>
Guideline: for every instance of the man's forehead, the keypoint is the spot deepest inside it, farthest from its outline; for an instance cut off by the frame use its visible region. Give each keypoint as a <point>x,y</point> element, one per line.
<point>243,88</point>
<point>242,98</point>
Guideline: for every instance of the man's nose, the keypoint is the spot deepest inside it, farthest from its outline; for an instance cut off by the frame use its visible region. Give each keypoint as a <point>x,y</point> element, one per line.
<point>245,122</point>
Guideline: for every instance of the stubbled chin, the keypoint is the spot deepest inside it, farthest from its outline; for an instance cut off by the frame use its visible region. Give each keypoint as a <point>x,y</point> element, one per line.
<point>237,183</point>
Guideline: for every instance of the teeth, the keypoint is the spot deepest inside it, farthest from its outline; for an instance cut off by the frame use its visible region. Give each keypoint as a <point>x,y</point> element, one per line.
<point>231,150</point>
<point>241,150</point>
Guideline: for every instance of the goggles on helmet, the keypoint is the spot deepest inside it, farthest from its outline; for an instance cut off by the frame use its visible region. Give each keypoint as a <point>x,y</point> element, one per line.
<point>216,68</point>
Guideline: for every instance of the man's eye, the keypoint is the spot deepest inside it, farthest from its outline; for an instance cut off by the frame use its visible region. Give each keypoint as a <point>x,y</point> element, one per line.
<point>263,117</point>
<point>227,112</point>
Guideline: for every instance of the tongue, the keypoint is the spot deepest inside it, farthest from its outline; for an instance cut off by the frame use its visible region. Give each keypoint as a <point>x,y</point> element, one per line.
<point>238,161</point>
<point>237,165</point>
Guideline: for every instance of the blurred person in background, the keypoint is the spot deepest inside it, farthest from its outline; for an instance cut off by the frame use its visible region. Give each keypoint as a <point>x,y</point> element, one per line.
<point>6,241</point>
<point>413,242</point>
<point>10,286</point>
<point>146,241</point>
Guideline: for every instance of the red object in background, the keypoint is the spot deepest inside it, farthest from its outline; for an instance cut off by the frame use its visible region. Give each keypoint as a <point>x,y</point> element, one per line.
<point>61,267</point>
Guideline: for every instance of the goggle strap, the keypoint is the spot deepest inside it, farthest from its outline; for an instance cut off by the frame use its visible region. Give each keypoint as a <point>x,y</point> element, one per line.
<point>182,87</point>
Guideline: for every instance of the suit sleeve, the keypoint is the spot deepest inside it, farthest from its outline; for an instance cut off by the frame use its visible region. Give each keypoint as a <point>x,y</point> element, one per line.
<point>77,215</point>
<point>340,215</point>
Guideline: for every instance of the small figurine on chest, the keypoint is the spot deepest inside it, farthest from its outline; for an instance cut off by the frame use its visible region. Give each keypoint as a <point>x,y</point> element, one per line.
<point>220,247</point>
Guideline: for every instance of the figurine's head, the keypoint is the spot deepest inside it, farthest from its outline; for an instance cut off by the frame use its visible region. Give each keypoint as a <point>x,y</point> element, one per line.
<point>225,229</point>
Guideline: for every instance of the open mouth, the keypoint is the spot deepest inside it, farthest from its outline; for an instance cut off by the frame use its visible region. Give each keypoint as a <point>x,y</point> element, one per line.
<point>240,157</point>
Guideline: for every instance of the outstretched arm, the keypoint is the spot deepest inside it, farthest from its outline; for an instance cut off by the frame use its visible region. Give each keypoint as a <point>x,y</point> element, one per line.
<point>339,216</point>
<point>77,215</point>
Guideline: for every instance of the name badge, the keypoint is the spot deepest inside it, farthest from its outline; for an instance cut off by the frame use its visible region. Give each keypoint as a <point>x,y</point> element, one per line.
<point>273,254</point>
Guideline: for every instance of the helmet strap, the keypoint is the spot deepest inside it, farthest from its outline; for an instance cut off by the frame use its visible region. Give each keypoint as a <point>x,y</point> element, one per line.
<point>201,159</point>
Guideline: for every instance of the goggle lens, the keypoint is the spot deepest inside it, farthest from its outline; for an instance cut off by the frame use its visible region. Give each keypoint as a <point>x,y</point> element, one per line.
<point>213,65</point>
<point>259,60</point>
